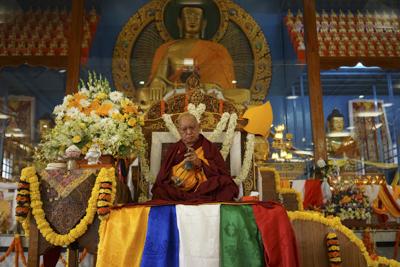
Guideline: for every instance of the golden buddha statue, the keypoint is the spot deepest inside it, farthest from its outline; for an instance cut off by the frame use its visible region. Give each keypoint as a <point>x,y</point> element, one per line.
<point>261,149</point>
<point>340,142</point>
<point>210,60</point>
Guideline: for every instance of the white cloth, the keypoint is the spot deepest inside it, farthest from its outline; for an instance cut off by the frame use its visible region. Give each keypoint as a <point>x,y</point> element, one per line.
<point>129,178</point>
<point>371,191</point>
<point>198,228</point>
<point>326,190</point>
<point>298,185</point>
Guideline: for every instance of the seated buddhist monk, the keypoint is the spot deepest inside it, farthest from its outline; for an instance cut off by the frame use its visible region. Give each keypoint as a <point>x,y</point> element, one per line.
<point>193,168</point>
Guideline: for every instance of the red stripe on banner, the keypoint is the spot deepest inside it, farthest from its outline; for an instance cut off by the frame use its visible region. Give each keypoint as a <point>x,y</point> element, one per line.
<point>280,247</point>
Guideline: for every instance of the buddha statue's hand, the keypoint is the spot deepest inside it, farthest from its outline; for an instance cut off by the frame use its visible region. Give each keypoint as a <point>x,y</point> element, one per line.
<point>158,88</point>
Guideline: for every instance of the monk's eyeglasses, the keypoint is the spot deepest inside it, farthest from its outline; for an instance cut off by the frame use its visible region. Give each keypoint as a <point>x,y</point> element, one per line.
<point>185,129</point>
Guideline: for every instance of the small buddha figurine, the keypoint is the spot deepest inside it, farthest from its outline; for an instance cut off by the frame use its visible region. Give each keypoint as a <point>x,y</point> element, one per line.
<point>397,50</point>
<point>319,38</point>
<point>342,50</point>
<point>361,46</point>
<point>63,47</point>
<point>351,31</point>
<point>328,38</point>
<point>324,26</point>
<point>345,38</point>
<point>289,15</point>
<point>371,49</point>
<point>360,27</point>
<point>381,53</point>
<point>369,26</point>
<point>373,38</point>
<point>342,16</point>
<point>360,16</point>
<point>369,16</point>
<point>350,15</point>
<point>350,23</point>
<point>334,16</point>
<point>324,15</point>
<point>340,142</point>
<point>336,38</point>
<point>290,25</point>
<point>332,50</point>
<point>322,49</point>
<point>298,25</point>
<point>351,51</point>
<point>299,14</point>
<point>342,29</point>
<point>380,47</point>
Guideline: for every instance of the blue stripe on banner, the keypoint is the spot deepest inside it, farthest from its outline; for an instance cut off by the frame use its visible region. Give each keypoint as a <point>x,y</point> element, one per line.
<point>162,240</point>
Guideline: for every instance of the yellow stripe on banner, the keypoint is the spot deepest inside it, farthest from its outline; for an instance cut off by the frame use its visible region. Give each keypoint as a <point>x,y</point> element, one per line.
<point>122,237</point>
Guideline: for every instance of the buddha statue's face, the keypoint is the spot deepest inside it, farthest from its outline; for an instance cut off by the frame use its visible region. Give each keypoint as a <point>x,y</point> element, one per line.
<point>192,20</point>
<point>336,124</point>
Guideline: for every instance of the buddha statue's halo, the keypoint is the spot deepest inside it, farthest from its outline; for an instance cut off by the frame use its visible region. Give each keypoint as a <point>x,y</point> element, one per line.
<point>213,13</point>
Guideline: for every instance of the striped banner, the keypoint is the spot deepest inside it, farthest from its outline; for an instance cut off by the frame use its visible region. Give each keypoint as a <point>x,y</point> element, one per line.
<point>208,235</point>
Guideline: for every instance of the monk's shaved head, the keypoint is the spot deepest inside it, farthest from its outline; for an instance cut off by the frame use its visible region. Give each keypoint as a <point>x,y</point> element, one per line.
<point>188,128</point>
<point>186,116</point>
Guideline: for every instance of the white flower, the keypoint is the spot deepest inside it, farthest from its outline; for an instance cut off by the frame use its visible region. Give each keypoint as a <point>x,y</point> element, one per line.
<point>116,96</point>
<point>59,109</point>
<point>84,91</point>
<point>84,103</point>
<point>248,157</point>
<point>112,111</point>
<point>73,112</point>
<point>171,126</point>
<point>321,163</point>
<point>220,127</point>
<point>67,98</point>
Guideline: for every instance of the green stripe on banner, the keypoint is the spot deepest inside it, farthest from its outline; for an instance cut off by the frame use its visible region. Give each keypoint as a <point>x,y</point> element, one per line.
<point>240,240</point>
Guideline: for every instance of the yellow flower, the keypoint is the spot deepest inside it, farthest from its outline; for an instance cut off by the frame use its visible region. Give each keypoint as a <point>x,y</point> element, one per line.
<point>76,139</point>
<point>141,120</point>
<point>125,102</point>
<point>138,144</point>
<point>132,122</point>
<point>101,96</point>
<point>117,116</point>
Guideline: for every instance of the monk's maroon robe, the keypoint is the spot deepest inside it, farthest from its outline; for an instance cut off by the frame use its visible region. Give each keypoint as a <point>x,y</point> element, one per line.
<point>218,187</point>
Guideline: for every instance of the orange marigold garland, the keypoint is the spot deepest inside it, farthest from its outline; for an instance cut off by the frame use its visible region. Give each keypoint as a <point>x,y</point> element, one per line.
<point>369,244</point>
<point>28,175</point>
<point>107,192</point>
<point>23,201</point>
<point>332,243</point>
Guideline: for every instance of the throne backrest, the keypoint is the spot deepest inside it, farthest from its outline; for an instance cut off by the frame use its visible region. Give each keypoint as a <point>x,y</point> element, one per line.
<point>159,138</point>
<point>160,142</point>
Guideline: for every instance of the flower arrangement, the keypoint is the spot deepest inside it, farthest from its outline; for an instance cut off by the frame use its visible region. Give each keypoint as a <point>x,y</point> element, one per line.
<point>350,203</point>
<point>95,115</point>
<point>323,170</point>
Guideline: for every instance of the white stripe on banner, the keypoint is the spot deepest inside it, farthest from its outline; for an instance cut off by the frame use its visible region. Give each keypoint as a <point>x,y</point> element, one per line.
<point>198,235</point>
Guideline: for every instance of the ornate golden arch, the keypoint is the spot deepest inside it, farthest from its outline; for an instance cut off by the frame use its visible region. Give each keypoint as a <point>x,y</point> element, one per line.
<point>145,31</point>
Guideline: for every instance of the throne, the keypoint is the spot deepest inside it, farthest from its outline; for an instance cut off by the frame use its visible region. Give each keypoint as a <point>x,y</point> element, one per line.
<point>159,138</point>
